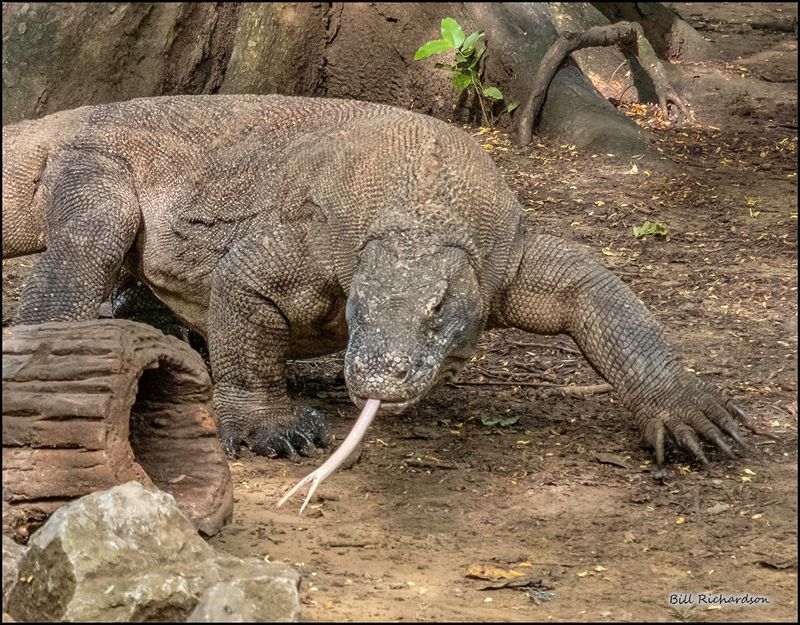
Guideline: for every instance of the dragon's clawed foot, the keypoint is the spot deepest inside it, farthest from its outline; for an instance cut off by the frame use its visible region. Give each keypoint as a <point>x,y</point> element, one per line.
<point>692,408</point>
<point>299,436</point>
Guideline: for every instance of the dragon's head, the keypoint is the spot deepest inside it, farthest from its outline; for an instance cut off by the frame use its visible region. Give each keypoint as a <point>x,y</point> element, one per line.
<point>414,314</point>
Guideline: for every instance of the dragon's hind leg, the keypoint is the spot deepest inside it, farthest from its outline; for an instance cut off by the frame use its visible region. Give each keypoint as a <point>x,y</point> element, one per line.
<point>91,220</point>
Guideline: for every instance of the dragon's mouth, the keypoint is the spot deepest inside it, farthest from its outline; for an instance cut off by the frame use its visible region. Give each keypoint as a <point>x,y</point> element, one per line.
<point>388,407</point>
<point>447,373</point>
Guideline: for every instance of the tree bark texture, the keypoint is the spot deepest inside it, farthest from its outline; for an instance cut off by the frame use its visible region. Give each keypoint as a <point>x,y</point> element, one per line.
<point>61,55</point>
<point>92,404</point>
<point>64,55</point>
<point>671,37</point>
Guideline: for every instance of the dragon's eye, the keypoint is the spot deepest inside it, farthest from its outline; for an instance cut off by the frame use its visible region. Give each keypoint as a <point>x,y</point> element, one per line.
<point>434,308</point>
<point>435,319</point>
<point>437,299</point>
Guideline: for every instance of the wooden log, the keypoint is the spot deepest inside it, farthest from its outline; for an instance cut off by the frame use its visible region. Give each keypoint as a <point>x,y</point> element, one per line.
<point>91,404</point>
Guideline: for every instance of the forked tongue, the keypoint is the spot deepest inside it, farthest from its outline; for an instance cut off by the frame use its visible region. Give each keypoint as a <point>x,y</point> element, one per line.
<point>339,456</point>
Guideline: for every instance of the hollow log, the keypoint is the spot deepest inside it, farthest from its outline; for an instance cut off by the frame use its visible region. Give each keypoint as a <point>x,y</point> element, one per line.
<point>92,404</point>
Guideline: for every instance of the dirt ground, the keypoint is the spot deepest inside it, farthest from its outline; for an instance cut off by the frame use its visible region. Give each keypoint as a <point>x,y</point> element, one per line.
<point>500,498</point>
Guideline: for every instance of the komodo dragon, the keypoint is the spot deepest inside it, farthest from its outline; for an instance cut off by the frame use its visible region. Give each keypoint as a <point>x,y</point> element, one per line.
<point>284,227</point>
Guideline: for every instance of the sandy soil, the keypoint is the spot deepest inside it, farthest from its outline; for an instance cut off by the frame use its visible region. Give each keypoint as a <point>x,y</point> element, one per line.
<point>501,499</point>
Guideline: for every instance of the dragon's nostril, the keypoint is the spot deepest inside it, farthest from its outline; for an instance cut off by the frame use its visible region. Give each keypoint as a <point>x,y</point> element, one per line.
<point>401,368</point>
<point>401,371</point>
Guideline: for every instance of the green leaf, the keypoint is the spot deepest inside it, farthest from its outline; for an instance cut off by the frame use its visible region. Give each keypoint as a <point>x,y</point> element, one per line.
<point>469,61</point>
<point>493,92</point>
<point>437,46</point>
<point>469,42</point>
<point>452,68</point>
<point>655,228</point>
<point>461,81</point>
<point>452,33</point>
<point>490,420</point>
<point>511,106</point>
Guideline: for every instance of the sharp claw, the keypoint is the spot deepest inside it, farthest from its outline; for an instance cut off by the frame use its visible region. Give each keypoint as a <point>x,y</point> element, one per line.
<point>294,457</point>
<point>314,427</point>
<point>698,453</point>
<point>702,411</point>
<point>728,405</point>
<point>230,444</point>
<point>707,425</point>
<point>688,440</point>
<point>740,415</point>
<point>734,433</point>
<point>739,412</point>
<point>324,438</point>
<point>305,447</point>
<point>723,446</point>
<point>289,453</point>
<point>288,449</point>
<point>653,434</point>
<point>264,446</point>
<point>657,441</point>
<point>295,439</point>
<point>660,453</point>
<point>768,435</point>
<point>722,418</point>
<point>751,427</point>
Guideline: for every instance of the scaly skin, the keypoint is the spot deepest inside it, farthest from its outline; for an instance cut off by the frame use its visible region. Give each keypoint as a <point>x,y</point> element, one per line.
<point>284,227</point>
<point>559,289</point>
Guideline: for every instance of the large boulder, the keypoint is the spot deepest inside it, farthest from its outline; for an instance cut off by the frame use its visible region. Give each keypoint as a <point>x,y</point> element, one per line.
<point>12,553</point>
<point>129,554</point>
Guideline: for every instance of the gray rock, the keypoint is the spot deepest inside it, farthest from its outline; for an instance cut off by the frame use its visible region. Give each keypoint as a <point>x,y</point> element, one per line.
<point>129,554</point>
<point>251,590</point>
<point>222,603</point>
<point>12,552</point>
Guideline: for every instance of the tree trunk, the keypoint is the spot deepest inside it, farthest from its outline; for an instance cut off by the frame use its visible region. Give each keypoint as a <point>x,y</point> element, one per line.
<point>89,405</point>
<point>61,55</point>
<point>65,55</point>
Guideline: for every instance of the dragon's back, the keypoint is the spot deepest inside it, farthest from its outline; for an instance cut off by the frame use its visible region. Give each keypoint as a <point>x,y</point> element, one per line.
<point>208,169</point>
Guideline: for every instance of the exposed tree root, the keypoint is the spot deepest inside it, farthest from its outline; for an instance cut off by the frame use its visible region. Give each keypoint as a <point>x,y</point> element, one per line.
<point>625,34</point>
